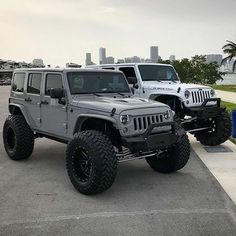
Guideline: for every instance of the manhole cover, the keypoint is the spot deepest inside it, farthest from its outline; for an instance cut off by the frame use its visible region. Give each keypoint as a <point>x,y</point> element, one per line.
<point>217,149</point>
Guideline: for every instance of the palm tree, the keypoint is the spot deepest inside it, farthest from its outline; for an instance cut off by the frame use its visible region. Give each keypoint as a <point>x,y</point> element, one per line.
<point>230,49</point>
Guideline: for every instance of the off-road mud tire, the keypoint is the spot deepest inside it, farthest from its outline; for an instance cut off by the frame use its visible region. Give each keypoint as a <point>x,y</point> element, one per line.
<point>172,159</point>
<point>222,131</point>
<point>103,161</point>
<point>18,138</point>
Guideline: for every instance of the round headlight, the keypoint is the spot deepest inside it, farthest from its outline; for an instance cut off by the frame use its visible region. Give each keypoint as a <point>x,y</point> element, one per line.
<point>212,92</point>
<point>124,119</point>
<point>167,114</point>
<point>187,94</point>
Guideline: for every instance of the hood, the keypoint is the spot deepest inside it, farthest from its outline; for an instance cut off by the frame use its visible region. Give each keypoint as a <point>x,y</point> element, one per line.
<point>171,86</point>
<point>106,104</point>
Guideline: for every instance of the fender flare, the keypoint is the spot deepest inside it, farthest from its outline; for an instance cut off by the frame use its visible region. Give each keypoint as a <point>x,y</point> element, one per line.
<point>83,117</point>
<point>13,106</point>
<point>155,95</point>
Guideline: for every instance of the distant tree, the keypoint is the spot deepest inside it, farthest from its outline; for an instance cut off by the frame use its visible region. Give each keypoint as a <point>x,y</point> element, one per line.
<point>230,49</point>
<point>184,69</point>
<point>205,73</point>
<point>196,70</point>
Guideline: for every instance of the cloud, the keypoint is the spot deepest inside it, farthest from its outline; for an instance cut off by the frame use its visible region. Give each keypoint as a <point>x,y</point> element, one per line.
<point>61,30</point>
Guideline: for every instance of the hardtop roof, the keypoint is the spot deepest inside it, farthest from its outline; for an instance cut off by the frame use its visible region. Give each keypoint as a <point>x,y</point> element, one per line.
<point>128,64</point>
<point>64,70</point>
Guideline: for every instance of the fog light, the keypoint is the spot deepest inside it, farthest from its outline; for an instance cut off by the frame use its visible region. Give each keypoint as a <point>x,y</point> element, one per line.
<point>125,130</point>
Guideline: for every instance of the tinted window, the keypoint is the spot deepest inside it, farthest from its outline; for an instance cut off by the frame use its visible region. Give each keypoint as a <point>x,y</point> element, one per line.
<point>18,82</point>
<point>53,81</point>
<point>129,73</point>
<point>97,82</point>
<point>157,72</point>
<point>34,83</point>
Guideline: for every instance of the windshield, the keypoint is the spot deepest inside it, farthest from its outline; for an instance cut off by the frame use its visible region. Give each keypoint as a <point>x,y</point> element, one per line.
<point>97,82</point>
<point>157,72</point>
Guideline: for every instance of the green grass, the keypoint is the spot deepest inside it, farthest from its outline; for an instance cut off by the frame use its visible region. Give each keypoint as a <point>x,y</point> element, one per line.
<point>233,140</point>
<point>229,106</point>
<point>229,88</point>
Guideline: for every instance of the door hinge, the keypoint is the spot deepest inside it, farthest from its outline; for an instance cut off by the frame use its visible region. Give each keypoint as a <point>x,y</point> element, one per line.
<point>65,125</point>
<point>39,120</point>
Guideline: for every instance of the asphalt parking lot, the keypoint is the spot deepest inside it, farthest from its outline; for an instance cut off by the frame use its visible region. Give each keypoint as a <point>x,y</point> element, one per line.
<point>37,198</point>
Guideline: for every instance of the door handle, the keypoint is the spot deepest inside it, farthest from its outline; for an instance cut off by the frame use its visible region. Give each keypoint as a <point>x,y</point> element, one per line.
<point>28,99</point>
<point>45,102</point>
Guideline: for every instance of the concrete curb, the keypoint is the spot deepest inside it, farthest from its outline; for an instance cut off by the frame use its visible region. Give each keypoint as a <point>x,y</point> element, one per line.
<point>222,165</point>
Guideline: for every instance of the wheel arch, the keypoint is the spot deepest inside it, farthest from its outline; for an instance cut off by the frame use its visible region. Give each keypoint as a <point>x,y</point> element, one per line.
<point>174,101</point>
<point>87,121</point>
<point>156,96</point>
<point>17,109</point>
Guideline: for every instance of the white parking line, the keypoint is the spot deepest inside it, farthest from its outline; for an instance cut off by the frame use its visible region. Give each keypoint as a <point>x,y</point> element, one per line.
<point>119,214</point>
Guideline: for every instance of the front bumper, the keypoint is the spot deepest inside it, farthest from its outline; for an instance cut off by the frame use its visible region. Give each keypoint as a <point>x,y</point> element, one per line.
<point>151,142</point>
<point>204,111</point>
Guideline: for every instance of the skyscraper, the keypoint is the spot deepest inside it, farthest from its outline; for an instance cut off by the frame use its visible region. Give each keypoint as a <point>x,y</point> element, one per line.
<point>214,58</point>
<point>110,60</point>
<point>154,53</point>
<point>88,60</point>
<point>102,55</point>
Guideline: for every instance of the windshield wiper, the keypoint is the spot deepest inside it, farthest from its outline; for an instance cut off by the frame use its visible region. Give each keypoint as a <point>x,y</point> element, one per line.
<point>96,94</point>
<point>122,94</point>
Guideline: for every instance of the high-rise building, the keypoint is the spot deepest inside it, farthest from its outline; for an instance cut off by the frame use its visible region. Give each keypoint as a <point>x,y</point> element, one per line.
<point>154,53</point>
<point>142,60</point>
<point>102,55</point>
<point>128,60</point>
<point>120,61</point>
<point>172,58</point>
<point>110,60</point>
<point>214,58</point>
<point>88,60</point>
<point>135,59</point>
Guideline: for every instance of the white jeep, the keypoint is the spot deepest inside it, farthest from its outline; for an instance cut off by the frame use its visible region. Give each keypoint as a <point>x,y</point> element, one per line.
<point>196,106</point>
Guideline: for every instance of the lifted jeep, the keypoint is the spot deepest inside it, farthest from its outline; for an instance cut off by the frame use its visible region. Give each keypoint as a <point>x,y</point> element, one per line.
<point>196,106</point>
<point>92,112</point>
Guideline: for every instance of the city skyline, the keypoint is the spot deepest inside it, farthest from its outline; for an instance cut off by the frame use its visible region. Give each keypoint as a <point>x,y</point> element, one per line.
<point>38,62</point>
<point>53,30</point>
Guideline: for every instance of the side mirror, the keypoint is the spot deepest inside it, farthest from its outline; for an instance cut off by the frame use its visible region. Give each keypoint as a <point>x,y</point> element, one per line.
<point>132,80</point>
<point>57,93</point>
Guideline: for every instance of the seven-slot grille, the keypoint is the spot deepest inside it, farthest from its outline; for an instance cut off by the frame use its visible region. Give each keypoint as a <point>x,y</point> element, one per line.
<point>200,95</point>
<point>143,122</point>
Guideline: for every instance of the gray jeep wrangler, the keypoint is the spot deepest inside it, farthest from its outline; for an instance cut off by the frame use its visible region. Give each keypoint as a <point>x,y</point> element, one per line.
<point>92,112</point>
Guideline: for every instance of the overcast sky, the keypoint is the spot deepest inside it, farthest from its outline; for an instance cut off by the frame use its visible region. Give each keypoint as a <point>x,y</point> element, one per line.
<point>61,31</point>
